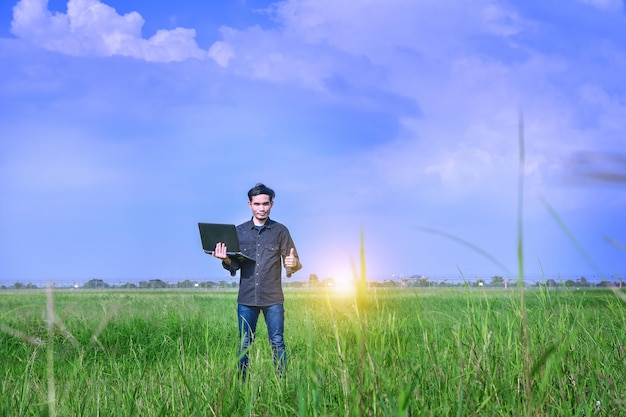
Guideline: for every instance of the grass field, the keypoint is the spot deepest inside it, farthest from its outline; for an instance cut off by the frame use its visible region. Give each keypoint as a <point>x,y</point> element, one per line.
<point>443,352</point>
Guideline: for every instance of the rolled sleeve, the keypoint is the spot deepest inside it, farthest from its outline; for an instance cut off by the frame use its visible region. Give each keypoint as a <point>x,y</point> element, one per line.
<point>232,268</point>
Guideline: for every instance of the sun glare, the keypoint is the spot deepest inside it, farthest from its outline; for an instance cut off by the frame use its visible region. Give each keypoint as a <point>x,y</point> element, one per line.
<point>342,285</point>
<point>338,278</point>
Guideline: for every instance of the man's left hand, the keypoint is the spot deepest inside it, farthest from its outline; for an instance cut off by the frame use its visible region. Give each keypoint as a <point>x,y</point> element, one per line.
<point>291,261</point>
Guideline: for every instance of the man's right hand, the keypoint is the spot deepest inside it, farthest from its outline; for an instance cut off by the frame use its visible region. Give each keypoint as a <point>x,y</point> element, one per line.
<point>220,253</point>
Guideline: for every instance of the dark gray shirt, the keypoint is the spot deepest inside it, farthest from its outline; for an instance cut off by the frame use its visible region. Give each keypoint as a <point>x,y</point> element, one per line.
<point>260,280</point>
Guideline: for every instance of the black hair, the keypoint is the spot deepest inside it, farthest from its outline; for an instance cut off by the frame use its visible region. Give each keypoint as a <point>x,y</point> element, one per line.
<point>259,189</point>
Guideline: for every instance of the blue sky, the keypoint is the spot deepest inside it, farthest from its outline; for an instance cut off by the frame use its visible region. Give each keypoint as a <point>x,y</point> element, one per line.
<point>126,123</point>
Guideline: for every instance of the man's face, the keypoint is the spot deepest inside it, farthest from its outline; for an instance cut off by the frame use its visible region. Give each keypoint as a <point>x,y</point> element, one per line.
<point>261,206</point>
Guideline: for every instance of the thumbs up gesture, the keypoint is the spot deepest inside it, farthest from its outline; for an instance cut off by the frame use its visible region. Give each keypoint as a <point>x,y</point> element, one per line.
<point>291,261</point>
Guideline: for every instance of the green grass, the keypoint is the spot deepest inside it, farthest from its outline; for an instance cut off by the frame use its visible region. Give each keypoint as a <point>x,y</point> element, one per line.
<point>416,353</point>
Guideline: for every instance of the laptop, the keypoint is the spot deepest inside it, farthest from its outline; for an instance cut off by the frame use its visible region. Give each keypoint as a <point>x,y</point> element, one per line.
<point>213,233</point>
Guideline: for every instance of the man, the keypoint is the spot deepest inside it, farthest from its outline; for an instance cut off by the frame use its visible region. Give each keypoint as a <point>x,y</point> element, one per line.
<point>268,244</point>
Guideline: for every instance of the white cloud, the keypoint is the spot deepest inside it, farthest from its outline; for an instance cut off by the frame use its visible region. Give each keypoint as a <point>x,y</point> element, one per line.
<point>394,45</point>
<point>606,5</point>
<point>375,29</point>
<point>221,53</point>
<point>92,28</point>
<point>373,26</point>
<point>273,56</point>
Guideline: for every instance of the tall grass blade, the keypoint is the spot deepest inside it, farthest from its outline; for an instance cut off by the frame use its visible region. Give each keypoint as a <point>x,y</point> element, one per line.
<point>520,201</point>
<point>615,243</point>
<point>526,356</point>
<point>568,233</point>
<point>466,244</point>
<point>50,353</point>
<point>543,359</point>
<point>192,393</point>
<point>35,341</point>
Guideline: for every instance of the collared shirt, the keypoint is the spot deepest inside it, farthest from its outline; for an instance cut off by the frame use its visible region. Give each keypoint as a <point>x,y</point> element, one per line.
<point>260,280</point>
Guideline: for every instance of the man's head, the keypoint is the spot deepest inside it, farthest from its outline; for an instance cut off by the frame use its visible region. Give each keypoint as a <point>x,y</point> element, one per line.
<point>261,200</point>
<point>259,189</point>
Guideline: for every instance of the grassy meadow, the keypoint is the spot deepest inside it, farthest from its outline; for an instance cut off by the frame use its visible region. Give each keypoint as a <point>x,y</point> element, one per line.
<point>444,352</point>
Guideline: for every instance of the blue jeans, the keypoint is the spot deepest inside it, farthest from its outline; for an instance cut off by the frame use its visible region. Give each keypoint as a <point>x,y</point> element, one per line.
<point>274,320</point>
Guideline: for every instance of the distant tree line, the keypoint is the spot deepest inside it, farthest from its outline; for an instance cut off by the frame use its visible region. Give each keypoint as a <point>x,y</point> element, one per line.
<point>496,281</point>
<point>19,286</point>
<point>149,284</point>
<point>415,281</point>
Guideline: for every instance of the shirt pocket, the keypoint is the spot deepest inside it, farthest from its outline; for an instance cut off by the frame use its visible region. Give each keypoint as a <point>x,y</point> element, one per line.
<point>247,250</point>
<point>272,250</point>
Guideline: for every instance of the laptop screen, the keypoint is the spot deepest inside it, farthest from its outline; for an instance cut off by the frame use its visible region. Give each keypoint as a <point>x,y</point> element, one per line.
<point>213,233</point>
